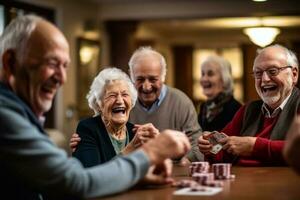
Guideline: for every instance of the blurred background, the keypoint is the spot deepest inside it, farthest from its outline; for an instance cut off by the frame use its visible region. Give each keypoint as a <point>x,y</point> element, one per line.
<point>106,32</point>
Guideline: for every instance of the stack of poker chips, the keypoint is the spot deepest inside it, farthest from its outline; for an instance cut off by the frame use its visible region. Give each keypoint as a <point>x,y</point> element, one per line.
<point>198,167</point>
<point>203,178</point>
<point>222,171</point>
<point>200,172</point>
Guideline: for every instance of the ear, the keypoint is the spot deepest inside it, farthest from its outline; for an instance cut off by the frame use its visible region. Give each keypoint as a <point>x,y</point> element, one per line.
<point>295,75</point>
<point>9,61</point>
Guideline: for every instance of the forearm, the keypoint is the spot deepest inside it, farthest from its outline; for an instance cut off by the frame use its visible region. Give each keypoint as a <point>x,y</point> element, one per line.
<point>30,156</point>
<point>117,175</point>
<point>269,151</point>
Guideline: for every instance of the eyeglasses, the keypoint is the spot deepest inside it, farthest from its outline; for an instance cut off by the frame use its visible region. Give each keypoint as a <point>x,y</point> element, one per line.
<point>272,71</point>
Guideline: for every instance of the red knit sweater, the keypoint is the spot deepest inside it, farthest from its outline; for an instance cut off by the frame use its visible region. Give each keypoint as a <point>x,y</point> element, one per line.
<point>265,151</point>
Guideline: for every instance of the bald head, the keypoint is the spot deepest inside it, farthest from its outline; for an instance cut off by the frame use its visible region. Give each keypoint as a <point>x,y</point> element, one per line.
<point>35,67</point>
<point>44,37</point>
<point>278,52</point>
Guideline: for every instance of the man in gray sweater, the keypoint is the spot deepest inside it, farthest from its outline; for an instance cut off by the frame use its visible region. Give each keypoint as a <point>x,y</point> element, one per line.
<point>34,61</point>
<point>163,106</point>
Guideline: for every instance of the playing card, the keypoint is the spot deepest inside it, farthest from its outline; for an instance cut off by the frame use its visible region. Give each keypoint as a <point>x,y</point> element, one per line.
<point>206,191</point>
<point>213,139</point>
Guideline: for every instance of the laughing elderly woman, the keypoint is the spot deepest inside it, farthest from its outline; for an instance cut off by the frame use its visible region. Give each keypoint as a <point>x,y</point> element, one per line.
<point>108,133</point>
<point>217,84</point>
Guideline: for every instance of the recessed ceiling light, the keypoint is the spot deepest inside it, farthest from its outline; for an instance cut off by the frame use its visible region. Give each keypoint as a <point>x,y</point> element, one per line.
<point>259,0</point>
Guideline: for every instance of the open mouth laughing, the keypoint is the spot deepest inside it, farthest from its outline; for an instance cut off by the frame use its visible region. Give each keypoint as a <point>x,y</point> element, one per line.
<point>268,88</point>
<point>120,110</point>
<point>49,90</point>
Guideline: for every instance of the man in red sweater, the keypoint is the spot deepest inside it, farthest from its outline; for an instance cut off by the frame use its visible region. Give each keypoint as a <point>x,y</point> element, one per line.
<point>257,132</point>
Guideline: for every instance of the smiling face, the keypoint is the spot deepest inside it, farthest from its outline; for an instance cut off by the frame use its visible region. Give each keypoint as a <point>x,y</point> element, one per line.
<point>43,68</point>
<point>116,103</point>
<point>211,80</point>
<point>147,76</point>
<point>273,90</point>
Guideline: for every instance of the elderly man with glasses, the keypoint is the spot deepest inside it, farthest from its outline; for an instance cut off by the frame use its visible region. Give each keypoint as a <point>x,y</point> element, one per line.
<point>256,134</point>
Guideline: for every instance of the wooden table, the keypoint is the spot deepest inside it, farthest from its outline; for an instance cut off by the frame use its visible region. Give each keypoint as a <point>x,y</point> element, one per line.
<point>250,183</point>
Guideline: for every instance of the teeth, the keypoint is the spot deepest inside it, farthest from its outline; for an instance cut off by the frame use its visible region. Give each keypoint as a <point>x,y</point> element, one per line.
<point>118,109</point>
<point>268,88</point>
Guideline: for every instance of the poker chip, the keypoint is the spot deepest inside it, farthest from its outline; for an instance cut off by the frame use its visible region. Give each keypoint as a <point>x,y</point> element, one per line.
<point>185,183</point>
<point>222,171</point>
<point>198,188</point>
<point>202,178</point>
<point>214,184</point>
<point>198,167</point>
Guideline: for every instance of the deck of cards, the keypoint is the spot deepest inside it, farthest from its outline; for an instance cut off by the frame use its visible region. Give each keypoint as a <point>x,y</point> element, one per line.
<point>214,139</point>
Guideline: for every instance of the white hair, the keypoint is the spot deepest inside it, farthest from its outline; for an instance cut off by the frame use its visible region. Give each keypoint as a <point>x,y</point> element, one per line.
<point>105,77</point>
<point>291,57</point>
<point>16,35</point>
<point>225,71</point>
<point>146,51</point>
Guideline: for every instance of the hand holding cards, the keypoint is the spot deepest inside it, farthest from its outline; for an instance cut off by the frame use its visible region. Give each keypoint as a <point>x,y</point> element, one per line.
<point>214,138</point>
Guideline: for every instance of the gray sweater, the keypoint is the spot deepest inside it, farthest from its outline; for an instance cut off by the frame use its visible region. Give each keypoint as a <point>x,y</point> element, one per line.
<point>177,112</point>
<point>32,166</point>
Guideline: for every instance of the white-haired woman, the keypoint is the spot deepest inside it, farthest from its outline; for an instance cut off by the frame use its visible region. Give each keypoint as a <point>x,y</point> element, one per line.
<point>108,133</point>
<point>217,84</point>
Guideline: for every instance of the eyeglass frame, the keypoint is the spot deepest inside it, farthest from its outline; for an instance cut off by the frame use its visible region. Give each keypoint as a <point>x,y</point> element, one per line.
<point>278,70</point>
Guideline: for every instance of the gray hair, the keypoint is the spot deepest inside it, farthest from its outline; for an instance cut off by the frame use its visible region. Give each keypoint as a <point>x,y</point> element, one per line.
<point>225,70</point>
<point>16,35</point>
<point>146,51</point>
<point>291,57</point>
<point>105,77</point>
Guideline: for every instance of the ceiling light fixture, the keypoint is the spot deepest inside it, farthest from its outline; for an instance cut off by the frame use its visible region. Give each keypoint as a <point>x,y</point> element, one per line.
<point>259,0</point>
<point>262,36</point>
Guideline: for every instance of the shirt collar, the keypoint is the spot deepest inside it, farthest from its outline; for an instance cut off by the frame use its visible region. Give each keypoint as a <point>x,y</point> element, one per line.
<point>158,101</point>
<point>266,110</point>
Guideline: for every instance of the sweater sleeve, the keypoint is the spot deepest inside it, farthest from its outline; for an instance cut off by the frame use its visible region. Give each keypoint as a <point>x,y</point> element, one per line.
<point>36,161</point>
<point>190,125</point>
<point>268,150</point>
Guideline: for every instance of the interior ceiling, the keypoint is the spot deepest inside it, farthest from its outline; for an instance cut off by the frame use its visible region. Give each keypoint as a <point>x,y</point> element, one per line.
<point>224,23</point>
<point>186,16</point>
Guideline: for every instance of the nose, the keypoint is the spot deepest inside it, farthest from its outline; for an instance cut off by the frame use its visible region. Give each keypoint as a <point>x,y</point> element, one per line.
<point>147,85</point>
<point>61,74</point>
<point>265,76</point>
<point>119,98</point>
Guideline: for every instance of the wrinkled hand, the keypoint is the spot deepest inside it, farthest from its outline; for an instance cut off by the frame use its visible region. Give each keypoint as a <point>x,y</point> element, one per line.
<point>75,139</point>
<point>159,174</point>
<point>143,133</point>
<point>168,144</point>
<point>204,146</point>
<point>240,146</point>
